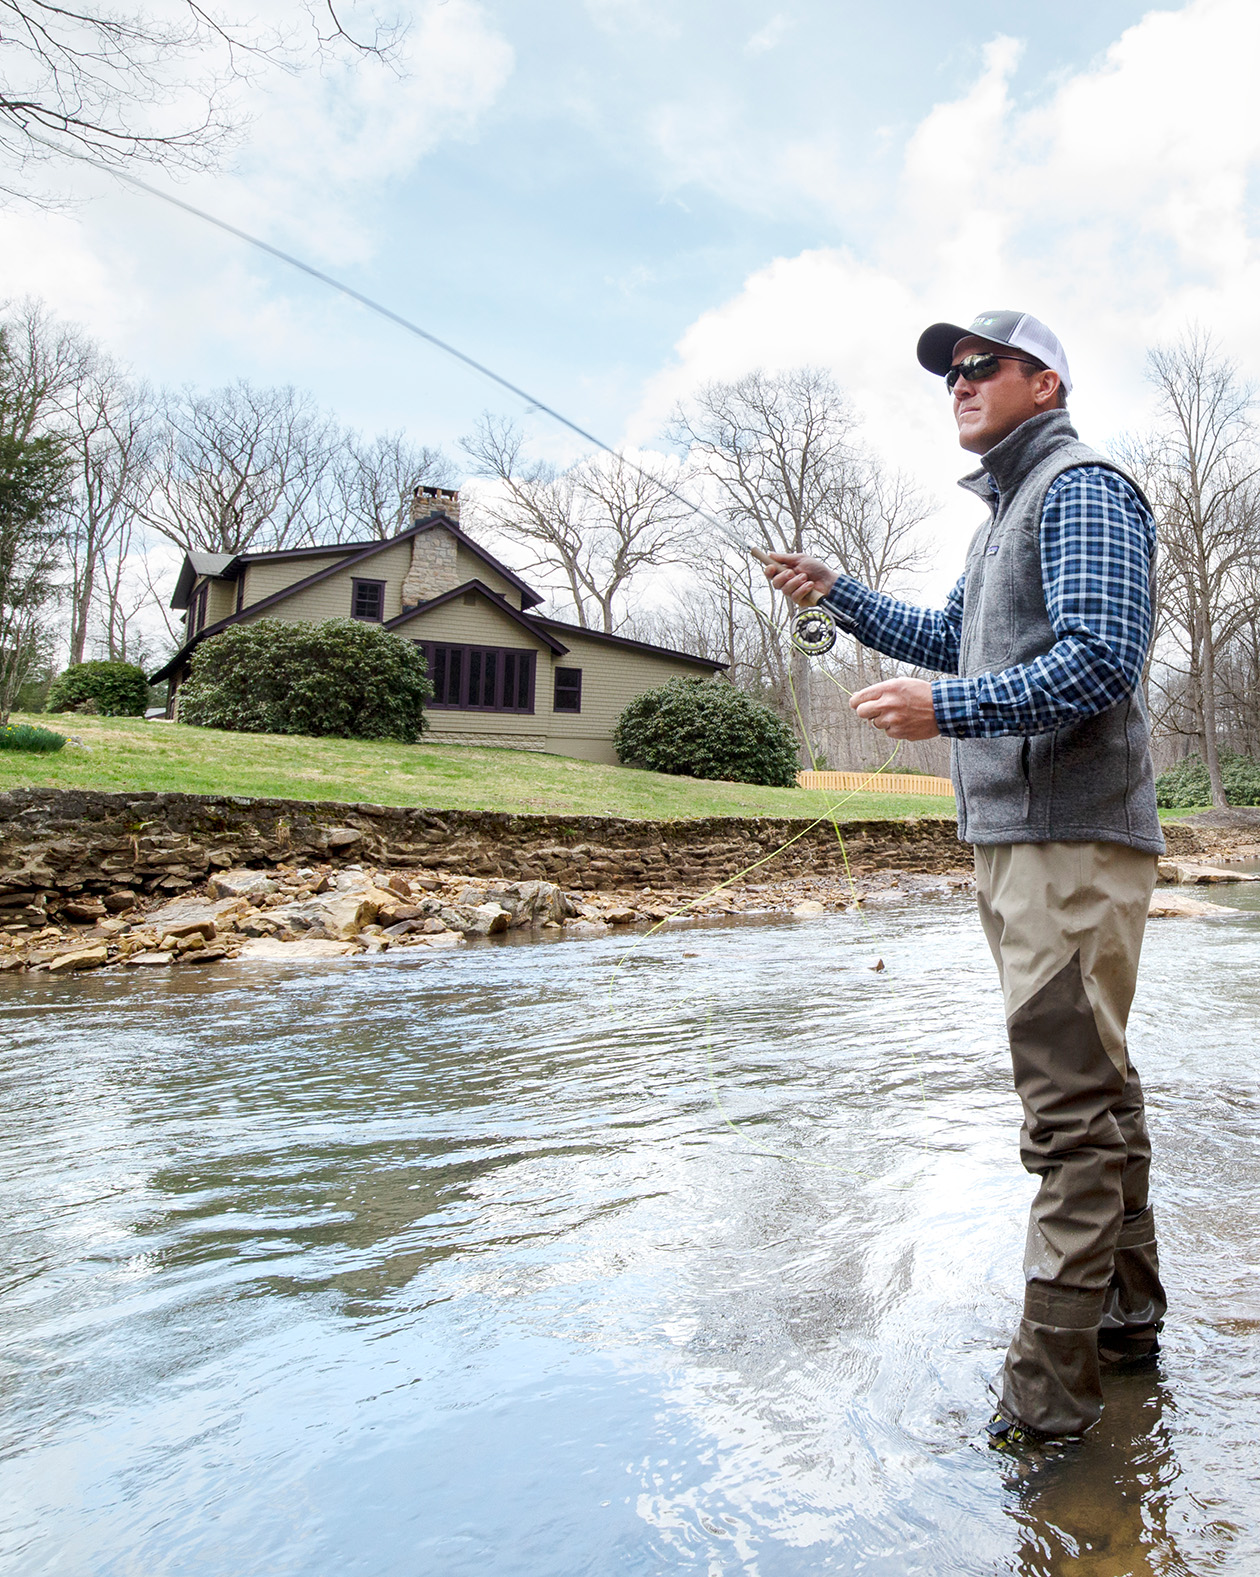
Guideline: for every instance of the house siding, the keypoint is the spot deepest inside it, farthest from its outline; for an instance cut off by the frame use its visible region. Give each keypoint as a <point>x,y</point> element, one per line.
<point>611,677</point>
<point>334,598</point>
<point>469,567</point>
<point>265,580</point>
<point>221,601</point>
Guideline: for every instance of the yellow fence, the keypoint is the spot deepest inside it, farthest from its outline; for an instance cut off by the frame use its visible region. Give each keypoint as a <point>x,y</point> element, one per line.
<point>875,783</point>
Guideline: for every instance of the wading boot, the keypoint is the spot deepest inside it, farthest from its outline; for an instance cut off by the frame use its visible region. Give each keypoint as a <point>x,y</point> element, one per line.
<point>1008,1434</point>
<point>1134,1312</point>
<point>1124,1348</point>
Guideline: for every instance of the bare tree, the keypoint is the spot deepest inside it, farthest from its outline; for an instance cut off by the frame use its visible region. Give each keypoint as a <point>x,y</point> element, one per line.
<point>1202,472</point>
<point>778,456</point>
<point>45,362</point>
<point>32,487</point>
<point>241,467</point>
<point>121,86</point>
<point>596,526</point>
<point>373,482</point>
<point>112,437</point>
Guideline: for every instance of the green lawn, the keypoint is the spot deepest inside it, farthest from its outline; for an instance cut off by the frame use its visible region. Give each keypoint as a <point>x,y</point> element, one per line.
<point>128,753</point>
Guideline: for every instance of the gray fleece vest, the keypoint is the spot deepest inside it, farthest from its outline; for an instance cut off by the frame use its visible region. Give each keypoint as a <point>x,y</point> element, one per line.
<point>1089,781</point>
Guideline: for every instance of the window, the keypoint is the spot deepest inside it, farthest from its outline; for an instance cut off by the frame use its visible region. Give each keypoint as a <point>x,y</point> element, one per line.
<point>480,678</point>
<point>368,601</point>
<point>199,607</point>
<point>568,696</point>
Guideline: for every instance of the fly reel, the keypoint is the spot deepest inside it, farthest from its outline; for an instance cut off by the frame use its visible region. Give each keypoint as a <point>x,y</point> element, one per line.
<point>813,632</point>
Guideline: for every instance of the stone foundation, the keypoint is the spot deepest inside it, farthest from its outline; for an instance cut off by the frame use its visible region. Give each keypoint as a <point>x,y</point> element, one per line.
<point>57,845</point>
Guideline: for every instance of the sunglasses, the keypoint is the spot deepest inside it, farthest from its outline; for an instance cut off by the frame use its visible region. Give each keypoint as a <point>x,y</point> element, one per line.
<point>978,366</point>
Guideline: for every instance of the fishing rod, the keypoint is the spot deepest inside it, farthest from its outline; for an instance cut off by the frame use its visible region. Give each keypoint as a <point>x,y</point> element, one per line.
<point>813,630</point>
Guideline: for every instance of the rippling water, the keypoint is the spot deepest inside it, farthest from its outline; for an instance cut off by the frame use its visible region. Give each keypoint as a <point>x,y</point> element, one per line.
<point>523,1264</point>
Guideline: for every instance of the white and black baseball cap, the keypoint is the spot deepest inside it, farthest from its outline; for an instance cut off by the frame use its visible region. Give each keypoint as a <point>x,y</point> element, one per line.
<point>1019,330</point>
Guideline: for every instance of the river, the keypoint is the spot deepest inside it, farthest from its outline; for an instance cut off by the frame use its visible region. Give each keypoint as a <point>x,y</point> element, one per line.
<point>520,1262</point>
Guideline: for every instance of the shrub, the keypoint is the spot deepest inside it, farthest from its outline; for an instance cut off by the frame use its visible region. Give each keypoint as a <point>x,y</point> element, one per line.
<point>707,729</point>
<point>28,736</point>
<point>112,689</point>
<point>344,677</point>
<point>1186,782</point>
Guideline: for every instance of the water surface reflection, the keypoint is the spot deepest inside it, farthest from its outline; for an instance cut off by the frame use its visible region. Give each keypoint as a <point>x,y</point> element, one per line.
<point>467,1267</point>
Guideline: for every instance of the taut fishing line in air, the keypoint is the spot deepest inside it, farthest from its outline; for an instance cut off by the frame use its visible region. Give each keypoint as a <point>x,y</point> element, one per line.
<point>813,630</point>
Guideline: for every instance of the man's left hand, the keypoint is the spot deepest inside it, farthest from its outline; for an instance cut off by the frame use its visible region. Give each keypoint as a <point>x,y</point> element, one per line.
<point>901,707</point>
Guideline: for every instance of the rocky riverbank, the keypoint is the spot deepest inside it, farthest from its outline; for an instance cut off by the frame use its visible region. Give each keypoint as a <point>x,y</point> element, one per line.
<point>291,913</point>
<point>309,912</point>
<point>89,880</point>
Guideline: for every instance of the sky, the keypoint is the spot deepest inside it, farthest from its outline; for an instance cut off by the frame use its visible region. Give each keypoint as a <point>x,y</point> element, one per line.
<point>615,201</point>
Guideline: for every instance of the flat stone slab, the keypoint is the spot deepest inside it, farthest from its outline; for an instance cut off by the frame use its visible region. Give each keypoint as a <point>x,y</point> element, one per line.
<point>1195,874</point>
<point>266,949</point>
<point>1168,906</point>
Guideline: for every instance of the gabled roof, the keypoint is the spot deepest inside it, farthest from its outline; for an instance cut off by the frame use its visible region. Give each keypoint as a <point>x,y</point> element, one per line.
<point>500,604</point>
<point>624,640</point>
<point>228,566</point>
<point>529,597</point>
<point>195,565</point>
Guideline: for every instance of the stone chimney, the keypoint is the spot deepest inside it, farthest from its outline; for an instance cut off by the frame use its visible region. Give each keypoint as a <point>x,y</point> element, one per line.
<point>426,501</point>
<point>434,567</point>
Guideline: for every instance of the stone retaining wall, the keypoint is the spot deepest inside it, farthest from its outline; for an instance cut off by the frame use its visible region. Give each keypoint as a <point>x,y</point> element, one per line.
<point>58,843</point>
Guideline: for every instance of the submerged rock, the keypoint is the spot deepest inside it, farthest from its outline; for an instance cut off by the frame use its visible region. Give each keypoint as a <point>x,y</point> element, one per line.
<point>1166,906</point>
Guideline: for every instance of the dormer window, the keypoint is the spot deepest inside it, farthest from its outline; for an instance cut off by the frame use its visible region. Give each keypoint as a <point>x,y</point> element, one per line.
<point>199,607</point>
<point>368,600</point>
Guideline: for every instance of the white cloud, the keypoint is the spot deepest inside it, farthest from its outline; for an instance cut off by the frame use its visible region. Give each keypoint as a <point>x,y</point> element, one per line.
<point>323,144</point>
<point>1117,210</point>
<point>321,148</point>
<point>769,36</point>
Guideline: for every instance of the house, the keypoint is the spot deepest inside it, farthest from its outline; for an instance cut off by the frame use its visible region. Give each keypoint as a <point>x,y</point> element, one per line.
<point>502,674</point>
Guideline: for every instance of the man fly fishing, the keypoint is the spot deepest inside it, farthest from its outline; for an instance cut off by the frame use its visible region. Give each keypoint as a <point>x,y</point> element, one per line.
<point>1043,640</point>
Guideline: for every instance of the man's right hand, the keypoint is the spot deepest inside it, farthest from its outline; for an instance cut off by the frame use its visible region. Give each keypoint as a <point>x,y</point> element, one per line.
<point>805,580</point>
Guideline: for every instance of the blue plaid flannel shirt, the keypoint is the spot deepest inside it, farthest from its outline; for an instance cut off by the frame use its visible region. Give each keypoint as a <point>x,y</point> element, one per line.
<point>1097,544</point>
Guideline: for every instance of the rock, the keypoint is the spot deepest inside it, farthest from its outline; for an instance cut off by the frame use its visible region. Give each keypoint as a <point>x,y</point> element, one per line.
<point>336,916</point>
<point>112,927</point>
<point>241,884</point>
<point>1165,906</point>
<point>84,909</point>
<point>436,940</point>
<point>343,837</point>
<point>201,955</point>
<point>270,950</point>
<point>585,928</point>
<point>621,916</point>
<point>1194,875</point>
<point>809,908</point>
<point>10,961</point>
<point>486,919</point>
<point>398,884</point>
<point>83,958</point>
<point>149,958</point>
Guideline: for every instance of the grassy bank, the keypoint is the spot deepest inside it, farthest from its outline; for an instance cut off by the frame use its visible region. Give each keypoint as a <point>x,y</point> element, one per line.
<point>127,753</point>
